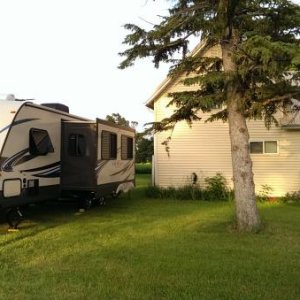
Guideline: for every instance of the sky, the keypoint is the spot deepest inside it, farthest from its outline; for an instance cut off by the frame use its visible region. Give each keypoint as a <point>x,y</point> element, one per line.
<point>66,51</point>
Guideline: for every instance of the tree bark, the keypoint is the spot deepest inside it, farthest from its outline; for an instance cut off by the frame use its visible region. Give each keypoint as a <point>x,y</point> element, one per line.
<point>244,189</point>
<point>247,215</point>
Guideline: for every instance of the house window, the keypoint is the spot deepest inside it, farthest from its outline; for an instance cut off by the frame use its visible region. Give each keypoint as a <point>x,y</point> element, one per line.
<point>77,145</point>
<point>39,142</point>
<point>256,147</point>
<point>126,147</point>
<point>108,145</point>
<point>271,147</point>
<point>263,147</point>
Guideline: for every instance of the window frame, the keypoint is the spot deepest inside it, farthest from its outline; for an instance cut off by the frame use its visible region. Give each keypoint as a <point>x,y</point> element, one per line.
<point>112,148</point>
<point>77,137</point>
<point>128,144</point>
<point>264,147</point>
<point>34,146</point>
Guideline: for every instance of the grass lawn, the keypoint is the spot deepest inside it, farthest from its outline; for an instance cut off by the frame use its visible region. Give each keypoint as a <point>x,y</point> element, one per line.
<point>139,248</point>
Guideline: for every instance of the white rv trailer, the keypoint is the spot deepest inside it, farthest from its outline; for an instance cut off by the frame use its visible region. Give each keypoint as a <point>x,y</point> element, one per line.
<point>45,152</point>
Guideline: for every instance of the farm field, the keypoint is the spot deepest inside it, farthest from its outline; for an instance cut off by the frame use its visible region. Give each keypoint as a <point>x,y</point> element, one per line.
<point>136,247</point>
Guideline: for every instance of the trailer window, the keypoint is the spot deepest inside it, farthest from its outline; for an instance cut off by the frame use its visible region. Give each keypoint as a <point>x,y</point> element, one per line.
<point>126,147</point>
<point>39,142</point>
<point>108,145</point>
<point>76,145</point>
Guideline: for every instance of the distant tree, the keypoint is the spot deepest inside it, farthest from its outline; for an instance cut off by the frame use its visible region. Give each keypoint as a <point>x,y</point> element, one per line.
<point>117,119</point>
<point>144,143</point>
<point>134,124</point>
<point>252,79</point>
<point>144,148</point>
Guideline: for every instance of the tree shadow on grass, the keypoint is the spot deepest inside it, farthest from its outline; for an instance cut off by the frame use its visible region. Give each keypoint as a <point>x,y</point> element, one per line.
<point>127,209</point>
<point>48,213</point>
<point>41,213</point>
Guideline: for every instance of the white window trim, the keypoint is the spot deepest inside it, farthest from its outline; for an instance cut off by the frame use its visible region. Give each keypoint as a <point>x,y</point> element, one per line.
<point>263,142</point>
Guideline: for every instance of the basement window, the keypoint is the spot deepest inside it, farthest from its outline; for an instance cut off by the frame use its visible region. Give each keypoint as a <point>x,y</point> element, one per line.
<point>126,147</point>
<point>108,145</point>
<point>264,147</point>
<point>39,142</point>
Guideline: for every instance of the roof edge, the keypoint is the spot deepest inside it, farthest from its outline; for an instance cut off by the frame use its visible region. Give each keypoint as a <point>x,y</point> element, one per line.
<point>169,80</point>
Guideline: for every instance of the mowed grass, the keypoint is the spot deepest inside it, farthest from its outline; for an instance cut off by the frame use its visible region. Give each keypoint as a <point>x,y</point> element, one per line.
<point>141,248</point>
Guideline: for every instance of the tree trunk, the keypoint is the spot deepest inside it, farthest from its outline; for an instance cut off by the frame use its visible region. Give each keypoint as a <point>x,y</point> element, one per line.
<point>244,189</point>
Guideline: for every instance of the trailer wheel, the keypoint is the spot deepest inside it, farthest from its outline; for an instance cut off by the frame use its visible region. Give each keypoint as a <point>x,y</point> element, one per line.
<point>14,217</point>
<point>101,201</point>
<point>86,203</point>
<point>115,195</point>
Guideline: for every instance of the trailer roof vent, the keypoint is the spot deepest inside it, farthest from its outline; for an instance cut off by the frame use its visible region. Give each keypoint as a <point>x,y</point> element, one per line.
<point>7,97</point>
<point>57,106</point>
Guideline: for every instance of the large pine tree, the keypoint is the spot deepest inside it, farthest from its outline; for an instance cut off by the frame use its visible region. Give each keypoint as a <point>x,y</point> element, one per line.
<point>254,78</point>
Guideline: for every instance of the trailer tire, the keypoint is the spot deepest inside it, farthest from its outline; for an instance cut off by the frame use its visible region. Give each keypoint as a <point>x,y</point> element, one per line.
<point>86,203</point>
<point>14,217</point>
<point>101,201</point>
<point>116,195</point>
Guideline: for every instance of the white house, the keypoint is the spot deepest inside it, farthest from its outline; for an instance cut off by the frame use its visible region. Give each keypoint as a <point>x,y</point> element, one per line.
<point>204,148</point>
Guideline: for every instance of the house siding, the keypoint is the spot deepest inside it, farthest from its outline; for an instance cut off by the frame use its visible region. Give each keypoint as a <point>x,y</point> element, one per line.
<point>204,149</point>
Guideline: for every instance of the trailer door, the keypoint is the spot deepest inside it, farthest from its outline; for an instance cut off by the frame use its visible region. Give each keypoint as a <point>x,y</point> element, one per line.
<point>78,156</point>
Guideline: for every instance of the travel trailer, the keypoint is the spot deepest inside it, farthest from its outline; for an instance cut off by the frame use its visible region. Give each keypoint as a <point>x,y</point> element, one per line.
<point>47,153</point>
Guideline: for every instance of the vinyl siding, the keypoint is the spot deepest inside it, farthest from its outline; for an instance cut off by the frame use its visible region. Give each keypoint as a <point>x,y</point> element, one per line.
<point>204,149</point>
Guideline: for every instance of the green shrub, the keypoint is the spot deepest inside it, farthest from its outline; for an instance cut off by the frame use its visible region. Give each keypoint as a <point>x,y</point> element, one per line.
<point>187,192</point>
<point>169,192</point>
<point>143,168</point>
<point>264,193</point>
<point>292,197</point>
<point>216,190</point>
<point>153,192</point>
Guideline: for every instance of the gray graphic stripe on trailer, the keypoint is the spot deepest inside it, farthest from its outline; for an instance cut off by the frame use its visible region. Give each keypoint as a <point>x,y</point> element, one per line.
<point>17,123</point>
<point>54,172</point>
<point>126,168</point>
<point>4,128</point>
<point>43,168</point>
<point>100,166</point>
<point>10,162</point>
